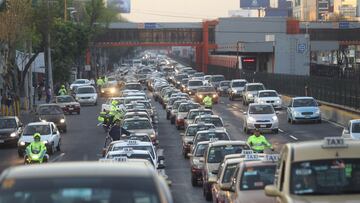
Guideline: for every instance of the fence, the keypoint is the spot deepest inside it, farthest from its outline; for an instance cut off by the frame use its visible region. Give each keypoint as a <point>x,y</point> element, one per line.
<point>336,91</point>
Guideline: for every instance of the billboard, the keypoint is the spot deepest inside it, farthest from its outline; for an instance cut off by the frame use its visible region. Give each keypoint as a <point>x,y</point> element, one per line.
<point>254,3</point>
<point>121,6</point>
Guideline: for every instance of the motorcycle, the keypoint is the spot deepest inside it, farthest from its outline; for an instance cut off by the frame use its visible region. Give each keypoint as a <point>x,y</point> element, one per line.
<point>35,157</point>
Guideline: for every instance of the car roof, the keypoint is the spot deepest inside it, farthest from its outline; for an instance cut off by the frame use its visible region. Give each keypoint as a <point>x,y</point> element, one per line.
<point>8,117</point>
<point>201,109</point>
<point>136,119</point>
<point>202,124</point>
<point>126,143</point>
<point>85,86</point>
<point>355,121</point>
<point>212,130</point>
<point>78,169</point>
<point>126,152</point>
<point>239,80</point>
<point>267,91</point>
<point>303,98</point>
<point>132,83</point>
<point>258,104</point>
<point>208,116</point>
<point>38,123</point>
<point>51,104</point>
<point>254,83</point>
<point>227,142</point>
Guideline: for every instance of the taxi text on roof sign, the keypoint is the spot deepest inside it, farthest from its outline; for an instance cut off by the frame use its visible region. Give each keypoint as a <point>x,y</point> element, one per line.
<point>334,142</point>
<point>132,142</point>
<point>249,157</point>
<point>247,152</point>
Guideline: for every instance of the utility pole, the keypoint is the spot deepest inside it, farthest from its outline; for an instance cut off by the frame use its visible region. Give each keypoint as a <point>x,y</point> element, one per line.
<point>48,51</point>
<point>65,10</point>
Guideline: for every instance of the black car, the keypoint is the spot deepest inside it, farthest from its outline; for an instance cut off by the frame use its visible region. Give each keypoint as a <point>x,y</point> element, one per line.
<point>52,113</point>
<point>10,130</point>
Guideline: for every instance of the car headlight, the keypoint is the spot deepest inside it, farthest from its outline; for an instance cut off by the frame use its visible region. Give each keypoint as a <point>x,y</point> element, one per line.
<point>112,90</point>
<point>261,101</point>
<point>235,91</point>
<point>251,120</point>
<point>102,91</point>
<point>94,97</point>
<point>275,118</point>
<point>45,142</point>
<point>152,136</point>
<point>214,95</point>
<point>200,96</point>
<point>178,83</point>
<point>278,101</point>
<point>296,113</point>
<point>13,135</point>
<point>317,112</point>
<point>62,120</point>
<point>249,95</point>
<point>77,98</point>
<point>22,143</point>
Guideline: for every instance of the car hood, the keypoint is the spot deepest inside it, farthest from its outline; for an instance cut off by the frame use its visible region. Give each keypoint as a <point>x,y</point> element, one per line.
<point>262,116</point>
<point>86,95</point>
<point>238,88</point>
<point>306,109</point>
<point>181,114</point>
<point>147,131</point>
<point>52,118</point>
<point>193,87</point>
<point>268,98</point>
<point>212,166</point>
<point>7,131</point>
<point>252,92</point>
<point>255,196</point>
<point>29,138</point>
<point>67,104</point>
<point>326,198</point>
<point>188,138</point>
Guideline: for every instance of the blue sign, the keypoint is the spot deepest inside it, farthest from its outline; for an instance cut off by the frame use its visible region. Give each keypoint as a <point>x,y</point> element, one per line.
<point>344,25</point>
<point>150,26</point>
<point>254,3</point>
<point>301,48</point>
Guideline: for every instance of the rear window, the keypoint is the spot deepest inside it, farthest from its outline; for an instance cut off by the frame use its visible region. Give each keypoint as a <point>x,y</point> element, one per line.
<point>217,78</point>
<point>85,90</point>
<point>195,83</point>
<point>256,178</point>
<point>217,153</point>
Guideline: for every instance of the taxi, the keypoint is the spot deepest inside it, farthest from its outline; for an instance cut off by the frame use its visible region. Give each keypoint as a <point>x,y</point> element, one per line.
<point>191,115</point>
<point>214,119</point>
<point>326,170</point>
<point>169,105</point>
<point>140,125</point>
<point>252,174</point>
<point>204,91</point>
<point>137,114</point>
<point>183,110</point>
<point>95,182</point>
<point>213,157</point>
<point>197,162</point>
<point>175,108</point>
<point>190,133</point>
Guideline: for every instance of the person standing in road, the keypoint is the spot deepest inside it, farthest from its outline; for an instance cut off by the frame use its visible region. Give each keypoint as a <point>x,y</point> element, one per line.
<point>258,142</point>
<point>39,146</point>
<point>62,90</point>
<point>208,102</point>
<point>116,131</point>
<point>48,95</point>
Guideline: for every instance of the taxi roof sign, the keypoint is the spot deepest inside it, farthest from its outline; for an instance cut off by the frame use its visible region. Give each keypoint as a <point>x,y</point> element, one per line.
<point>128,150</point>
<point>272,157</point>
<point>334,142</point>
<point>121,159</point>
<point>246,151</point>
<point>132,142</point>
<point>214,139</point>
<point>251,157</point>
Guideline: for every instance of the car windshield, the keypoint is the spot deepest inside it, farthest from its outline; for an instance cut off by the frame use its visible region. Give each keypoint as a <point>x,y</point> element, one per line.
<point>304,103</point>
<point>224,84</point>
<point>229,172</point>
<point>133,99</point>
<point>261,109</point>
<point>206,89</point>
<point>192,130</point>
<point>64,99</point>
<point>355,128</point>
<point>198,74</point>
<point>50,110</point>
<point>195,83</point>
<point>177,104</point>
<point>188,107</point>
<point>238,84</point>
<point>200,150</point>
<point>193,114</point>
<point>85,90</point>
<point>325,177</point>
<point>207,136</point>
<point>137,125</point>
<point>82,189</point>
<point>257,177</point>
<point>30,130</point>
<point>217,78</point>
<point>134,147</point>
<point>7,123</point>
<point>79,82</point>
<point>255,87</point>
<point>217,153</point>
<point>268,94</point>
<point>141,138</point>
<point>216,121</point>
<point>133,87</point>
<point>136,115</point>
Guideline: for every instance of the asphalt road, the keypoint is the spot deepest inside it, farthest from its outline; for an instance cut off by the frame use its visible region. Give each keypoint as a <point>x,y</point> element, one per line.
<point>84,141</point>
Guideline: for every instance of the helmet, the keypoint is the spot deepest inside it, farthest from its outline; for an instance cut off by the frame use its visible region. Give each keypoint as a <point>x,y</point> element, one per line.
<point>37,135</point>
<point>62,86</point>
<point>114,102</point>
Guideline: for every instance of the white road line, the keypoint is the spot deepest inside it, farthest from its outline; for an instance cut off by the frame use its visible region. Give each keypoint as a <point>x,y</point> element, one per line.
<point>333,123</point>
<point>281,130</point>
<point>58,157</point>
<point>293,137</point>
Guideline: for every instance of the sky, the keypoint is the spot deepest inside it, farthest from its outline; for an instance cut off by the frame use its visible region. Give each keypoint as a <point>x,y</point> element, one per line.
<point>179,10</point>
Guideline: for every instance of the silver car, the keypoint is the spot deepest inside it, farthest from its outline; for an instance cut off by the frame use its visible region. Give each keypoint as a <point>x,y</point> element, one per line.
<point>352,130</point>
<point>250,91</point>
<point>269,97</point>
<point>140,125</point>
<point>262,117</point>
<point>236,89</point>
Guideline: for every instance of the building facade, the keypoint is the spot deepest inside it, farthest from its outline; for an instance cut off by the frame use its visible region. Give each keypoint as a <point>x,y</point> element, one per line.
<point>311,10</point>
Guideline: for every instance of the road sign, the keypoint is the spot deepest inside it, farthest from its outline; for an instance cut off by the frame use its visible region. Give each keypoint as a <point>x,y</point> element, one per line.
<point>150,25</point>
<point>87,68</point>
<point>344,25</point>
<point>301,48</point>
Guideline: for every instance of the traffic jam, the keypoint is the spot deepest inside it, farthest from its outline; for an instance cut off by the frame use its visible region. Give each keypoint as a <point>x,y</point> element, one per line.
<point>132,164</point>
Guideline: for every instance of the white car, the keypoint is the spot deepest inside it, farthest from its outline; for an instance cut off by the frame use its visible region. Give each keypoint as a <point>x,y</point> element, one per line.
<point>269,97</point>
<point>129,153</point>
<point>86,95</point>
<point>213,119</point>
<point>250,91</point>
<point>79,83</point>
<point>262,117</point>
<point>236,88</point>
<point>107,105</point>
<point>352,130</point>
<point>50,135</point>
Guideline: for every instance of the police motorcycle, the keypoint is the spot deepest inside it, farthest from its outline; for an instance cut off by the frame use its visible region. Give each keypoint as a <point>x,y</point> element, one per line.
<point>35,157</point>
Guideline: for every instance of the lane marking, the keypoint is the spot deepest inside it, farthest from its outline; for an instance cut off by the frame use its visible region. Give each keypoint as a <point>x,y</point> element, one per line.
<point>281,130</point>
<point>57,158</point>
<point>293,137</point>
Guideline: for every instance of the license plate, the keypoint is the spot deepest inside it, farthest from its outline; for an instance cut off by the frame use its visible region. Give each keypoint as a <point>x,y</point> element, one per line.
<point>2,141</point>
<point>262,126</point>
<point>71,109</point>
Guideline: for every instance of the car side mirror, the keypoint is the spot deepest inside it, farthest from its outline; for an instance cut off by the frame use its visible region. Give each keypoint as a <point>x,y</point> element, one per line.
<point>161,158</point>
<point>346,131</point>
<point>272,191</point>
<point>161,166</point>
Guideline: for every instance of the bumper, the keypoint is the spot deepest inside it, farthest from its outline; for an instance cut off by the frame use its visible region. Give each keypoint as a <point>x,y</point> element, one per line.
<point>179,122</point>
<point>237,94</point>
<point>71,109</point>
<point>262,126</point>
<point>313,118</point>
<point>87,101</point>
<point>8,140</point>
<point>196,173</point>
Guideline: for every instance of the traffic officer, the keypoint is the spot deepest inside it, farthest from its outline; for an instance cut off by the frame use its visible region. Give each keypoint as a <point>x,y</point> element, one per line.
<point>208,102</point>
<point>115,111</point>
<point>62,90</point>
<point>258,142</point>
<point>38,146</point>
<point>117,131</point>
<point>99,82</point>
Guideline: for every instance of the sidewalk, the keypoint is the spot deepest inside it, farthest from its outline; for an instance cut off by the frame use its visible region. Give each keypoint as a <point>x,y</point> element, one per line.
<point>27,116</point>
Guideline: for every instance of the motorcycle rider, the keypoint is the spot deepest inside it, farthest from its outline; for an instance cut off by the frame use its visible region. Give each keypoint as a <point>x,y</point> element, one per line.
<point>37,147</point>
<point>258,142</point>
<point>116,112</point>
<point>62,91</point>
<point>208,102</point>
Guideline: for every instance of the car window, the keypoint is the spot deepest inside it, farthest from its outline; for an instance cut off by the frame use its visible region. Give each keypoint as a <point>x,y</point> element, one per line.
<point>256,178</point>
<point>229,172</point>
<point>304,103</point>
<point>79,82</point>
<point>216,121</point>
<point>238,84</point>
<point>217,78</point>
<point>64,99</point>
<point>210,135</point>
<point>195,83</point>
<point>85,90</point>
<point>50,110</point>
<point>206,89</point>
<point>134,147</point>
<point>355,128</point>
<point>30,130</point>
<point>255,87</point>
<point>133,87</point>
<point>261,109</point>
<point>268,94</point>
<point>200,150</point>
<point>7,123</point>
<point>188,107</point>
<point>137,125</point>
<point>225,84</point>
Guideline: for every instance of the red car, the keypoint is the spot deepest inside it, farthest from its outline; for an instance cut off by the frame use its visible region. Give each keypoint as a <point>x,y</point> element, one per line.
<point>68,104</point>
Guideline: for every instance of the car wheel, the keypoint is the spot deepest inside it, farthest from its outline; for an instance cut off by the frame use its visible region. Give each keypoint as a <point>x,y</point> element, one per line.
<point>52,149</point>
<point>20,154</point>
<point>288,120</point>
<point>292,121</point>
<point>194,181</point>
<point>58,148</point>
<point>167,116</point>
<point>276,131</point>
<point>172,121</point>
<point>95,104</point>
